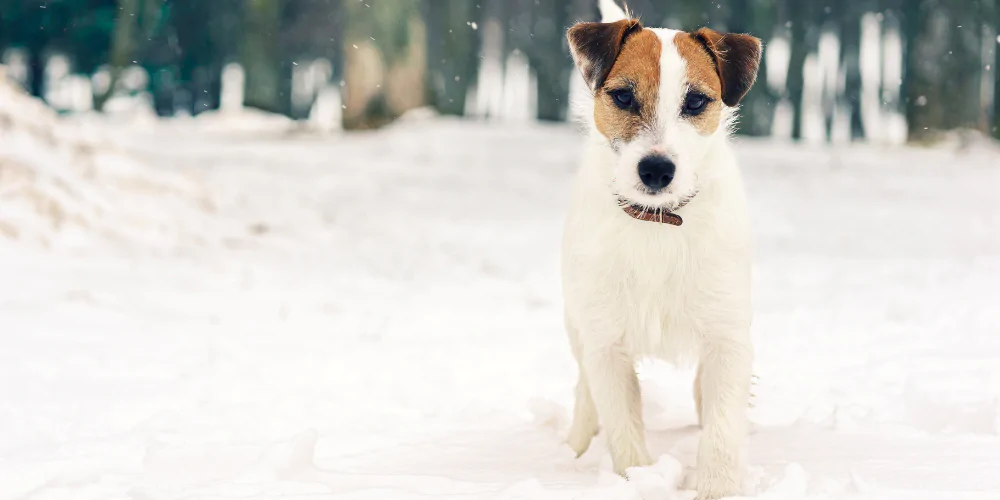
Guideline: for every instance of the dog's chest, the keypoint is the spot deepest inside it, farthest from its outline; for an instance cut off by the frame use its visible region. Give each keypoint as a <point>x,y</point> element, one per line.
<point>646,278</point>
<point>660,271</point>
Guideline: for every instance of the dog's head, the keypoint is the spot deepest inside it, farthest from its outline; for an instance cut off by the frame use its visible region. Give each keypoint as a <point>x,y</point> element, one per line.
<point>661,98</point>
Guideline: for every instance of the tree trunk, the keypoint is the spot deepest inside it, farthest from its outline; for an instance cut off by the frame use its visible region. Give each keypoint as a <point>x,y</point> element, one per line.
<point>452,48</point>
<point>924,55</point>
<point>163,87</point>
<point>996,73</point>
<point>757,107</point>
<point>385,61</point>
<point>36,71</point>
<point>850,58</point>
<point>261,58</point>
<point>121,47</point>
<point>798,13</point>
<point>964,62</point>
<point>987,56</point>
<point>548,58</point>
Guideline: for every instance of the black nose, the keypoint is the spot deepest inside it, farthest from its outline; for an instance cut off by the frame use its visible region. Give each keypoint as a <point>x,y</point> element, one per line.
<point>656,172</point>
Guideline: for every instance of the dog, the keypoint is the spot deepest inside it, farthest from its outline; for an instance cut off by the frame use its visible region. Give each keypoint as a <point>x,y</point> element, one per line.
<point>656,253</point>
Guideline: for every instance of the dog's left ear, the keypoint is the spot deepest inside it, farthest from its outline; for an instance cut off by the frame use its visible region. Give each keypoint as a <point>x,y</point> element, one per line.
<point>595,47</point>
<point>737,58</point>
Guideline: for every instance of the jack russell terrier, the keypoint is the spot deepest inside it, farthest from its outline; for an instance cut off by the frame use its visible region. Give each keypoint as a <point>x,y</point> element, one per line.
<point>656,251</point>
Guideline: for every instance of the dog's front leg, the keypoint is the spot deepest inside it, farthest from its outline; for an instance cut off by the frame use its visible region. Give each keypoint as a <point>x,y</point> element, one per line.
<point>614,387</point>
<point>724,379</point>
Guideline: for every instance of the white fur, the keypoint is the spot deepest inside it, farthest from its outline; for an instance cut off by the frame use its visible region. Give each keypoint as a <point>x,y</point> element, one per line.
<point>635,288</point>
<point>611,12</point>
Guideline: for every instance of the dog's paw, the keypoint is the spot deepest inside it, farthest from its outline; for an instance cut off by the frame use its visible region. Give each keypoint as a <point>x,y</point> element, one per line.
<point>660,480</point>
<point>714,486</point>
<point>637,457</point>
<point>717,495</point>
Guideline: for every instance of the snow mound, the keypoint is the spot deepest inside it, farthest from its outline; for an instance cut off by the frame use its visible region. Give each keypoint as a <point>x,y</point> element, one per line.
<point>65,183</point>
<point>240,122</point>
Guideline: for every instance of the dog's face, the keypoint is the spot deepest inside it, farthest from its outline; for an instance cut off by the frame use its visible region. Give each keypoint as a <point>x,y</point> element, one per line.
<point>662,99</point>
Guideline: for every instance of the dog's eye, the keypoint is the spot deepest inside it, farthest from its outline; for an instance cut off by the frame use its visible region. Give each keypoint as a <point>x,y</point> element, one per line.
<point>623,98</point>
<point>694,103</point>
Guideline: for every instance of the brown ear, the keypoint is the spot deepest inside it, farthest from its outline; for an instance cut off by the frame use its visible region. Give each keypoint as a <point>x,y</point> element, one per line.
<point>737,58</point>
<point>595,46</point>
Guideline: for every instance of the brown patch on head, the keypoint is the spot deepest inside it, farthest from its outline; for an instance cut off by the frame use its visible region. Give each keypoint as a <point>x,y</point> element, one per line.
<point>619,57</point>
<point>637,70</point>
<point>703,77</point>
<point>721,66</point>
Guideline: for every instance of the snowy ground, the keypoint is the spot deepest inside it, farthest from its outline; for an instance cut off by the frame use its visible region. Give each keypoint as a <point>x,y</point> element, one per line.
<point>377,316</point>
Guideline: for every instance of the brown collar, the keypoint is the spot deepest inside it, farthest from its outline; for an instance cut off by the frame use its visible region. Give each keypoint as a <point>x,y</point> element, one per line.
<point>660,215</point>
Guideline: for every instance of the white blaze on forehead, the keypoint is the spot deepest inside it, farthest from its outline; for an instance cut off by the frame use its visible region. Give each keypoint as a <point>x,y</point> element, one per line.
<point>673,79</point>
<point>611,12</point>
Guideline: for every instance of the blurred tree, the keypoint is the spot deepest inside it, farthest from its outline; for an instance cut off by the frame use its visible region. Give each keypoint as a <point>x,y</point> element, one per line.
<point>86,32</point>
<point>963,64</point>
<point>849,24</point>
<point>81,29</point>
<point>453,44</point>
<point>919,73</point>
<point>397,54</point>
<point>122,47</point>
<point>936,46</point>
<point>261,58</point>
<point>756,17</point>
<point>995,66</point>
<point>23,24</point>
<point>989,41</point>
<point>540,35</point>
<point>804,38</point>
<point>313,30</point>
<point>385,63</point>
<point>198,50</point>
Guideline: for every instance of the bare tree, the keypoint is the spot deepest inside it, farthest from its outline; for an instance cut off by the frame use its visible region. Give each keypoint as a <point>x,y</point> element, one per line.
<point>265,87</point>
<point>803,40</point>
<point>755,17</point>
<point>453,43</point>
<point>122,47</point>
<point>385,61</point>
<point>850,59</point>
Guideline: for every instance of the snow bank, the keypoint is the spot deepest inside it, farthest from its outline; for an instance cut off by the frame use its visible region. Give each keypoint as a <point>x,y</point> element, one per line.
<point>240,121</point>
<point>67,183</point>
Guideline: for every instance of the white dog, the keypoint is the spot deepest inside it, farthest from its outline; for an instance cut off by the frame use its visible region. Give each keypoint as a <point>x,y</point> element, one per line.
<point>656,251</point>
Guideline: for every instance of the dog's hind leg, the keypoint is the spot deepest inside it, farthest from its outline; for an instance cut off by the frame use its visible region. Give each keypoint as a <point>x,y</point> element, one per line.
<point>615,390</point>
<point>725,372</point>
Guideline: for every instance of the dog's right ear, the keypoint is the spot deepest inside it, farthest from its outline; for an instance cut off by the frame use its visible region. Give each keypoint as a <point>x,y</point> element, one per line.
<point>595,47</point>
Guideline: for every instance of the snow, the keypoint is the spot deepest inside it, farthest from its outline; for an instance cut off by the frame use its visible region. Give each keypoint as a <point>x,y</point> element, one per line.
<point>377,316</point>
<point>69,183</point>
